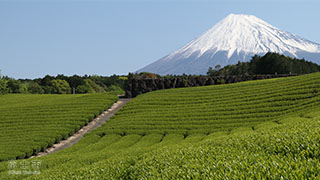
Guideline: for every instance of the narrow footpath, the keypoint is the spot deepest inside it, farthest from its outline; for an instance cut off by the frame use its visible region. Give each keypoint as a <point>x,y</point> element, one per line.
<point>95,123</point>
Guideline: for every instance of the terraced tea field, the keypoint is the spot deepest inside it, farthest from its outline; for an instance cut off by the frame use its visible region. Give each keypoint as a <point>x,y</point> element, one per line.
<point>216,108</point>
<point>266,129</point>
<point>289,150</point>
<point>31,123</point>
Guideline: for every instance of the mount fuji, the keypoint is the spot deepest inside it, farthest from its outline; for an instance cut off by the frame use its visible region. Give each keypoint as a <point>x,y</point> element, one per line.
<point>235,38</point>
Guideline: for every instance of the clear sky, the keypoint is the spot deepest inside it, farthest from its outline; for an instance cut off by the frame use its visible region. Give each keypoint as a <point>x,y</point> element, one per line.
<point>116,36</point>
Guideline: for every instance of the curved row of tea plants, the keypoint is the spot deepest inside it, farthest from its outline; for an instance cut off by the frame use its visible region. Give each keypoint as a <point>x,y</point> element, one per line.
<point>289,150</point>
<point>216,108</point>
<point>31,123</point>
<point>252,126</point>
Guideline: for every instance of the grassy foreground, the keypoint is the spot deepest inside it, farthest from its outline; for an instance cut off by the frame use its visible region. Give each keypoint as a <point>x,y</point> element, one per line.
<point>31,123</point>
<point>266,129</point>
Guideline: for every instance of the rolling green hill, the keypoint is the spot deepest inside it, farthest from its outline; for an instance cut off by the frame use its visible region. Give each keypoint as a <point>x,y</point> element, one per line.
<point>31,123</point>
<point>216,108</point>
<point>257,129</point>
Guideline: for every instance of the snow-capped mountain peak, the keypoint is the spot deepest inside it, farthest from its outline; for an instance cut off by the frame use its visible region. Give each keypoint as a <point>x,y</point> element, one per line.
<point>247,33</point>
<point>236,37</point>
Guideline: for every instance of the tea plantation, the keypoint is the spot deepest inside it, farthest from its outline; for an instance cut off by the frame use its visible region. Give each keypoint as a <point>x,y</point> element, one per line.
<point>31,123</point>
<point>266,129</point>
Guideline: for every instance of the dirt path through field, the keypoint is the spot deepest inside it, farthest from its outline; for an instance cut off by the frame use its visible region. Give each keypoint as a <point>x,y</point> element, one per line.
<point>95,123</point>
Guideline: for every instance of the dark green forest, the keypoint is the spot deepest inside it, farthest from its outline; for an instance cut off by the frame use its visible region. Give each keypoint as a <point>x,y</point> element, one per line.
<point>270,63</point>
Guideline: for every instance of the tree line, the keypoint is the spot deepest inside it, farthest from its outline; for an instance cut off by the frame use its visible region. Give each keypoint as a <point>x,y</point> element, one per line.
<point>270,63</point>
<point>62,84</point>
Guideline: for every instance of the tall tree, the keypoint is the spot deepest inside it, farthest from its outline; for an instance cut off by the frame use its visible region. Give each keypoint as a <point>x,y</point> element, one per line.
<point>60,86</point>
<point>3,85</point>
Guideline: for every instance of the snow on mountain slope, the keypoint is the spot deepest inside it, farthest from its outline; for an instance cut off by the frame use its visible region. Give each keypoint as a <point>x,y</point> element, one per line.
<point>235,38</point>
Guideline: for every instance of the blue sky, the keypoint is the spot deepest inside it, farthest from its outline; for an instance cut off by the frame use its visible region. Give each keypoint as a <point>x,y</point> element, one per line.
<point>116,37</point>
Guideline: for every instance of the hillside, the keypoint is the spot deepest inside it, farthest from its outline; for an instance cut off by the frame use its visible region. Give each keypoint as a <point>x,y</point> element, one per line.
<point>256,129</point>
<point>210,109</point>
<point>31,123</point>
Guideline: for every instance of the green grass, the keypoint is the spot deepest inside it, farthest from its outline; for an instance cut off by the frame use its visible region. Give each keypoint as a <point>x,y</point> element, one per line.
<point>266,129</point>
<point>31,123</point>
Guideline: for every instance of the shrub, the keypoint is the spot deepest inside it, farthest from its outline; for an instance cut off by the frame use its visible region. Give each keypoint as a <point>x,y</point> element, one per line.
<point>3,86</point>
